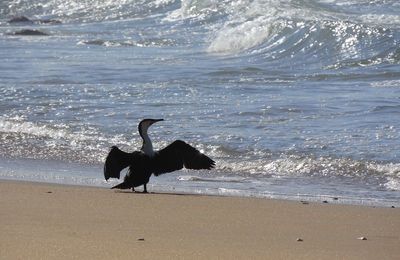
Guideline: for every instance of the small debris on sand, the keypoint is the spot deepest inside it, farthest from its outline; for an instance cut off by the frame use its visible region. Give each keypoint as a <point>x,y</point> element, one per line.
<point>140,239</point>
<point>362,238</point>
<point>299,239</point>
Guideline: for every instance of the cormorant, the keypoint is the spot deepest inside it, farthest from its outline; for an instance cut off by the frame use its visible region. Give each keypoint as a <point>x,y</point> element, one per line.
<point>142,164</point>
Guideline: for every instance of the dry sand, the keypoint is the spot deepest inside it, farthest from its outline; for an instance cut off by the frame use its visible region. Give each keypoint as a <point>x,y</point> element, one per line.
<point>44,221</point>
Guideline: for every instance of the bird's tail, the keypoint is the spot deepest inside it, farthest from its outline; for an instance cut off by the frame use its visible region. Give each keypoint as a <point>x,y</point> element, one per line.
<point>122,186</point>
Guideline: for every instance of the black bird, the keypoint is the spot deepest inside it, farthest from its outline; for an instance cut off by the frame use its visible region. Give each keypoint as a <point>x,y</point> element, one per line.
<point>142,164</point>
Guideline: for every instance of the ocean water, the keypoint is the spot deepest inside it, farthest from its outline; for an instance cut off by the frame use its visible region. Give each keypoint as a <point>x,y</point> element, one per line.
<point>292,99</point>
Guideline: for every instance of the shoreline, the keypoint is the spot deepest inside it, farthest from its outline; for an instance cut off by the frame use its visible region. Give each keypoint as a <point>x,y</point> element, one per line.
<point>67,221</point>
<point>305,198</point>
<point>292,188</point>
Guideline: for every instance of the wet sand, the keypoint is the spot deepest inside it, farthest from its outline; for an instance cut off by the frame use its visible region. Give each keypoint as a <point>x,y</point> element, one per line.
<point>48,221</point>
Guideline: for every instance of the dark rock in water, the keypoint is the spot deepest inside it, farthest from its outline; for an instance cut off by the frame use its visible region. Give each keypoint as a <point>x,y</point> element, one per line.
<point>20,19</point>
<point>29,32</point>
<point>24,19</point>
<point>47,21</point>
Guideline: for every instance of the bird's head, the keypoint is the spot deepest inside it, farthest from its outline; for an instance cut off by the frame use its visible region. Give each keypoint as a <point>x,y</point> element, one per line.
<point>146,123</point>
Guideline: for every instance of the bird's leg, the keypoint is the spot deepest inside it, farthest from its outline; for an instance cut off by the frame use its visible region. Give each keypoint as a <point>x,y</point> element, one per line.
<point>133,189</point>
<point>145,188</point>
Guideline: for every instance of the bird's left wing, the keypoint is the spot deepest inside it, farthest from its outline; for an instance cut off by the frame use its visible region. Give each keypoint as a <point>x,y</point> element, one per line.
<point>178,155</point>
<point>116,161</point>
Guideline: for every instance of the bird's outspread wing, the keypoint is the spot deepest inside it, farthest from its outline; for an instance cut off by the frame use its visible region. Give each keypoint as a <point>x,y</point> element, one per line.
<point>116,161</point>
<point>178,155</point>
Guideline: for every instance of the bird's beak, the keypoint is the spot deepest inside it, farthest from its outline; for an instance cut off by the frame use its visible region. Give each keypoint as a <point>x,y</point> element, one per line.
<point>156,120</point>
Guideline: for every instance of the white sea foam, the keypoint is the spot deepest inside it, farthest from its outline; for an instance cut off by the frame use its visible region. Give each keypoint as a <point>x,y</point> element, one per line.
<point>249,24</point>
<point>212,179</point>
<point>23,127</point>
<point>56,142</point>
<point>193,9</point>
<point>243,36</point>
<point>386,84</point>
<point>392,184</point>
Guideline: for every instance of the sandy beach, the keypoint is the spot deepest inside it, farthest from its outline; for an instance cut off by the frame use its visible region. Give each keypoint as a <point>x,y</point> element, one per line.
<point>46,221</point>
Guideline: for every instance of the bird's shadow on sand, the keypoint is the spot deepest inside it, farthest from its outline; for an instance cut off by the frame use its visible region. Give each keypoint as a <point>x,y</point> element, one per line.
<point>156,193</point>
<point>159,193</point>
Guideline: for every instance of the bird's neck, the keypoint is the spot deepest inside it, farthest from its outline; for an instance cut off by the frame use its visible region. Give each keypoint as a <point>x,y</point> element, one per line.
<point>147,146</point>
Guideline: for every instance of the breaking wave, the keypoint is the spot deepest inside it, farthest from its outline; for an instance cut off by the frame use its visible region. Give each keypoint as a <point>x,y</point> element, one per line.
<point>331,34</point>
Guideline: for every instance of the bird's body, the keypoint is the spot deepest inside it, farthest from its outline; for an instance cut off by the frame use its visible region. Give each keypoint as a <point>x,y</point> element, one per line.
<point>142,164</point>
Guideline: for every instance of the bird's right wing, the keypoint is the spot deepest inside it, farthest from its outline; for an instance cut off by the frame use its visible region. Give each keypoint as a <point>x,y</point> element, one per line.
<point>178,155</point>
<point>116,161</point>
